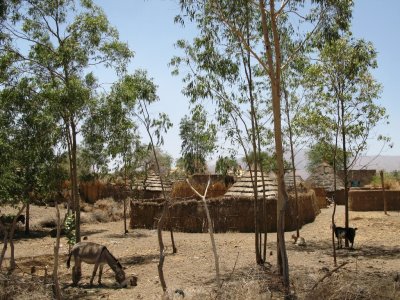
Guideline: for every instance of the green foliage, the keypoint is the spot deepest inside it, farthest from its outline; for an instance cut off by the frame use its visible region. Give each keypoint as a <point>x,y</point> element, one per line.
<point>27,144</point>
<point>198,140</point>
<point>324,152</point>
<point>342,95</point>
<point>391,179</point>
<point>226,164</point>
<point>265,160</point>
<point>69,226</point>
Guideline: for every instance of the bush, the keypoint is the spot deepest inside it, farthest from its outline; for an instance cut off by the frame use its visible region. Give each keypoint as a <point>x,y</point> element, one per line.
<point>392,181</point>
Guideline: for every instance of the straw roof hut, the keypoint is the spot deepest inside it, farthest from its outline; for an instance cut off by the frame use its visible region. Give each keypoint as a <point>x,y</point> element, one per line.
<point>153,183</point>
<point>289,182</point>
<point>323,177</point>
<point>243,188</point>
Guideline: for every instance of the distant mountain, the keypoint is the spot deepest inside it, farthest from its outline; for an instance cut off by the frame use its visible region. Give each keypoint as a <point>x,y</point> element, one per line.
<point>385,162</point>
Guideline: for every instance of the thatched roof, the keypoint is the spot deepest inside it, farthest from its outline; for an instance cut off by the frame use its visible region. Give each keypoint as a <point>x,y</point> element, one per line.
<point>243,188</point>
<point>153,184</point>
<point>323,177</point>
<point>289,182</point>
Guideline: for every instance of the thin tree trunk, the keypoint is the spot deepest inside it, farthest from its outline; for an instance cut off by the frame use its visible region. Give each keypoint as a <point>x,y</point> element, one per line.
<point>274,73</point>
<point>71,190</point>
<point>253,112</point>
<point>5,243</point>
<point>165,210</point>
<point>125,196</point>
<point>11,238</point>
<point>210,229</point>
<point>264,219</point>
<point>27,217</point>
<point>345,171</point>
<point>56,285</point>
<point>293,164</point>
<point>383,192</point>
<point>335,184</point>
<point>75,184</point>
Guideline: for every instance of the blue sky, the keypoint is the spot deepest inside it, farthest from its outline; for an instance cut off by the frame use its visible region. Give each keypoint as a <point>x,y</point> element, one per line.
<point>148,27</point>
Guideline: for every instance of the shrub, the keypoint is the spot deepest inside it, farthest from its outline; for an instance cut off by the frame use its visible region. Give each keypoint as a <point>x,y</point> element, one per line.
<point>392,181</point>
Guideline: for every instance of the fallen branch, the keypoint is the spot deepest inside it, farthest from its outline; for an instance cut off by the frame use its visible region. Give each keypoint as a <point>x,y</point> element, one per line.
<point>329,274</point>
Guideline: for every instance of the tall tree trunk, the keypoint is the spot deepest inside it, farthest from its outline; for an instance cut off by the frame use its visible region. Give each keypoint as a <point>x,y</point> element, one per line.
<point>335,183</point>
<point>345,170</point>
<point>293,164</point>
<point>254,135</point>
<point>274,73</point>
<point>75,184</point>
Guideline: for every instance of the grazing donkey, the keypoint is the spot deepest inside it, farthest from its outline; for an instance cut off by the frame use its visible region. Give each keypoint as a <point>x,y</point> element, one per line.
<point>92,253</point>
<point>343,233</point>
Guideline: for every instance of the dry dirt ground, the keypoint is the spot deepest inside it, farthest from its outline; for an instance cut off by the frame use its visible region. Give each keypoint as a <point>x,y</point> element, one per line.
<point>372,269</point>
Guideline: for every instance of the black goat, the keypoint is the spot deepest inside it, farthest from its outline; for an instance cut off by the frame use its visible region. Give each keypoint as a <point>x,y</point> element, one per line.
<point>343,233</point>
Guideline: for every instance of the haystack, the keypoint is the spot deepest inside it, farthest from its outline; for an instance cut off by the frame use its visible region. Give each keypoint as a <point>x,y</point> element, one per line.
<point>243,188</point>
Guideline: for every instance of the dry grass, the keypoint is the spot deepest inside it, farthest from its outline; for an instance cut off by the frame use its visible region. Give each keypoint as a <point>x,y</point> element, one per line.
<point>348,284</point>
<point>24,287</point>
<point>254,283</point>
<point>104,210</point>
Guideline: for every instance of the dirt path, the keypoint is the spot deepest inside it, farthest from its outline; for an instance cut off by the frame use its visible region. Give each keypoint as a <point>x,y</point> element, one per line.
<point>370,272</point>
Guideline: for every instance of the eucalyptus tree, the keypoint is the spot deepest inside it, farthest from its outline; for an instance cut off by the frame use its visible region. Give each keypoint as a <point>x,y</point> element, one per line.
<point>342,78</point>
<point>137,92</point>
<point>60,41</point>
<point>272,19</point>
<point>323,151</point>
<point>223,72</point>
<point>198,140</point>
<point>225,164</point>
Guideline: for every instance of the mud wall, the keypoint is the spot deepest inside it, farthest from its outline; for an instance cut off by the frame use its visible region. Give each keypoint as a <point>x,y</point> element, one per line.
<point>372,200</point>
<point>227,214</point>
<point>92,191</point>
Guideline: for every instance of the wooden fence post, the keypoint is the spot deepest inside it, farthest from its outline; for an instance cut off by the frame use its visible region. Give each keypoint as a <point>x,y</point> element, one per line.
<point>383,193</point>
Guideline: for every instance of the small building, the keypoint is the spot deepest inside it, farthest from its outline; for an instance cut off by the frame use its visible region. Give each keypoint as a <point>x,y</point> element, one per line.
<point>323,179</point>
<point>358,178</point>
